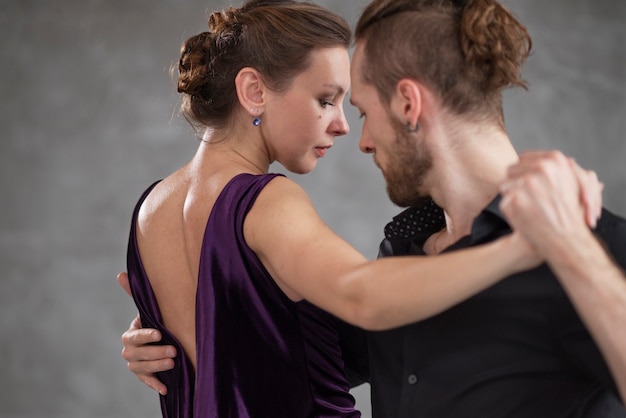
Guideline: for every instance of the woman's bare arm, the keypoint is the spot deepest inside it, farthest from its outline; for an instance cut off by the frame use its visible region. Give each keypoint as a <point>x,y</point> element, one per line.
<point>309,261</point>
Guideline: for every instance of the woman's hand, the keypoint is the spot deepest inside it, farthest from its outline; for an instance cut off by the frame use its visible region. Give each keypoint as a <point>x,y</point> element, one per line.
<point>548,198</point>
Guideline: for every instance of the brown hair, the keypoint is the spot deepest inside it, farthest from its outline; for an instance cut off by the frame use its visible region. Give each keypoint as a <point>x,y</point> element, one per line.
<point>275,37</point>
<point>466,51</point>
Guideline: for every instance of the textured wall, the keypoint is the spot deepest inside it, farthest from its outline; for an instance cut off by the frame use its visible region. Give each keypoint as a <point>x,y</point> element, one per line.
<point>86,122</point>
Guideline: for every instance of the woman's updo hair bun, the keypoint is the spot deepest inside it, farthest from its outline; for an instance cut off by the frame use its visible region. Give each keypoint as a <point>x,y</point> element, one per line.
<point>275,37</point>
<point>192,63</point>
<point>200,61</point>
<point>199,53</point>
<point>219,21</point>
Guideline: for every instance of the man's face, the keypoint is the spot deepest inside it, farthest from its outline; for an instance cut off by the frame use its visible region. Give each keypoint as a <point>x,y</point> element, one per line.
<point>401,156</point>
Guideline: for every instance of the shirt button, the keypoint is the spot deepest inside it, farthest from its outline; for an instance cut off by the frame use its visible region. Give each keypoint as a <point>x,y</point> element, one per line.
<point>412,379</point>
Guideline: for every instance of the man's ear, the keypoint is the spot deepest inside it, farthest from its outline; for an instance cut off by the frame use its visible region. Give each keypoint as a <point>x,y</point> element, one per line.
<point>250,90</point>
<point>407,101</point>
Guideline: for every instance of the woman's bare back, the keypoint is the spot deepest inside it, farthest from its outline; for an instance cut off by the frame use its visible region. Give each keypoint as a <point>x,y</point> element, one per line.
<point>170,231</point>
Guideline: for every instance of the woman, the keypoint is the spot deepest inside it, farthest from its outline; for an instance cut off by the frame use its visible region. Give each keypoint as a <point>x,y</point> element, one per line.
<point>234,266</point>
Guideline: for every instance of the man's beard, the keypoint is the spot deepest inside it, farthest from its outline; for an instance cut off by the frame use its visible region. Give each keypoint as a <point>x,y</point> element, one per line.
<point>407,168</point>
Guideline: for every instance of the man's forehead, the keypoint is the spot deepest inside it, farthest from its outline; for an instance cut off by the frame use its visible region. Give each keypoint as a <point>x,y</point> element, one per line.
<point>355,74</point>
<point>361,93</point>
<point>355,91</point>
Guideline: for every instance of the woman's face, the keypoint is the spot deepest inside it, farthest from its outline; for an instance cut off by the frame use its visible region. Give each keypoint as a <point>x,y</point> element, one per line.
<point>301,123</point>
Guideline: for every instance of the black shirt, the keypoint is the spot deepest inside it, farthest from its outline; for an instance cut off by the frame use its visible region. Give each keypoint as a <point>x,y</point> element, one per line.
<point>517,349</point>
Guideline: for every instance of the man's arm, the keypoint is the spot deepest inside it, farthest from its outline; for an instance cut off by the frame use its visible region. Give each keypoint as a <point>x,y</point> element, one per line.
<point>145,359</point>
<point>597,288</point>
<point>543,199</point>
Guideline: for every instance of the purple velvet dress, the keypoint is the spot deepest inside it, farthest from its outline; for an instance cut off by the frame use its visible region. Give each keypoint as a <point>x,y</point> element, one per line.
<point>259,354</point>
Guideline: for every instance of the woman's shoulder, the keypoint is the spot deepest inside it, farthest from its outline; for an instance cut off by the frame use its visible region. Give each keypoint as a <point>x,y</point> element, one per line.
<point>281,207</point>
<point>281,190</point>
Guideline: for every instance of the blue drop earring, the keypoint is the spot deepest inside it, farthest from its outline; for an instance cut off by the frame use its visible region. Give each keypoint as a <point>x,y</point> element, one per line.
<point>256,121</point>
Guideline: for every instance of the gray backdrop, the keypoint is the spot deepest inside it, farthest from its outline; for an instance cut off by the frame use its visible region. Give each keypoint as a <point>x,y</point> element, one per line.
<point>87,121</point>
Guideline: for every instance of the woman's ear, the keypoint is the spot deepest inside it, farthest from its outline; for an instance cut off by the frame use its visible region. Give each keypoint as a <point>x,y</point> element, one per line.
<point>250,90</point>
<point>407,101</point>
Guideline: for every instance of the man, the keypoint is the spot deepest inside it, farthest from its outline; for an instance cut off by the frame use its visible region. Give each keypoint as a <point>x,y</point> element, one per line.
<point>433,121</point>
<point>519,348</point>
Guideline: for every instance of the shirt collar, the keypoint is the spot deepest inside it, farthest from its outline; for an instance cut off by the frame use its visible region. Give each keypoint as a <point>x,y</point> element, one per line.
<point>489,222</point>
<point>415,221</point>
<point>423,221</point>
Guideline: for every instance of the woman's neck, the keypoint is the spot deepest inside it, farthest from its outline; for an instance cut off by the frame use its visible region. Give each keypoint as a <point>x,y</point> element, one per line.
<point>234,151</point>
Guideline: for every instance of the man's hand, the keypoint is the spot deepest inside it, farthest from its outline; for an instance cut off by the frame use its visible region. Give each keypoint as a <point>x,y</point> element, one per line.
<point>145,360</point>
